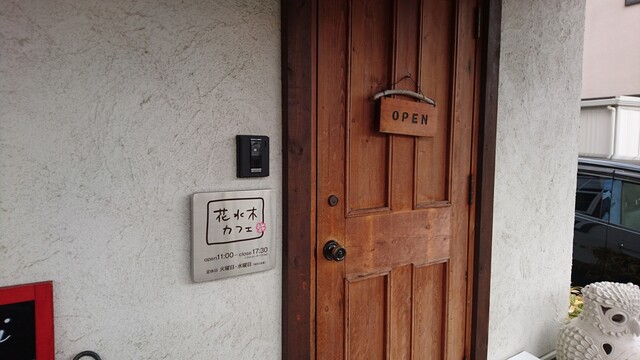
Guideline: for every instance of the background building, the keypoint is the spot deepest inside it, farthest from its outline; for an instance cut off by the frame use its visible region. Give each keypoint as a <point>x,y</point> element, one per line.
<point>610,116</point>
<point>611,49</point>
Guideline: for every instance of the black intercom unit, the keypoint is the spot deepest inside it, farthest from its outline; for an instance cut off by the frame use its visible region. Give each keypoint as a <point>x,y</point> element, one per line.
<point>253,155</point>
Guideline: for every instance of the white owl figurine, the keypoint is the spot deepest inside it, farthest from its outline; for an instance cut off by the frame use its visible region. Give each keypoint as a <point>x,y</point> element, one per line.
<point>607,329</point>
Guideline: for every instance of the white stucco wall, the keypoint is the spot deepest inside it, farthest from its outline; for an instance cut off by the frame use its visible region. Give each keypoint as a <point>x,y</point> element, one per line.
<point>538,113</point>
<point>112,113</point>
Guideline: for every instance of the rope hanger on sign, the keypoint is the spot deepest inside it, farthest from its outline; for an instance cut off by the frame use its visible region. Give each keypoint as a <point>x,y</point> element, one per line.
<point>417,95</point>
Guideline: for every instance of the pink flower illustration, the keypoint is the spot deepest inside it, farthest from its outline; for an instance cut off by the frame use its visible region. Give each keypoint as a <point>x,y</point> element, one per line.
<point>261,227</point>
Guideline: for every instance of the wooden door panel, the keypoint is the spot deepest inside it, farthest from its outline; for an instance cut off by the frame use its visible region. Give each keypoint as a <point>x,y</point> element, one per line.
<point>368,162</point>
<point>401,320</point>
<point>386,241</point>
<point>386,303</point>
<point>367,314</point>
<point>430,292</point>
<point>332,89</point>
<point>403,212</point>
<point>404,64</point>
<point>432,165</point>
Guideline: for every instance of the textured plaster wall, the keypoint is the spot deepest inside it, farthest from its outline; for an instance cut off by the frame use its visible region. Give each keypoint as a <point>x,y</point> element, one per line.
<point>112,113</point>
<point>538,115</point>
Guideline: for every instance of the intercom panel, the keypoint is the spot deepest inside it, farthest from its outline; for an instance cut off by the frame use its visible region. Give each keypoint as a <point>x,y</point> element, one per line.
<point>252,156</point>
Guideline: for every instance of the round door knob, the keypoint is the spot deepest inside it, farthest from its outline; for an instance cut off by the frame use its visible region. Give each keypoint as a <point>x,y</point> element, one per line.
<point>334,251</point>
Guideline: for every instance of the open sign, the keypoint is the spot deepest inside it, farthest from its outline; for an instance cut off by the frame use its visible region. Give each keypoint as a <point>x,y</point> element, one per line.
<point>408,117</point>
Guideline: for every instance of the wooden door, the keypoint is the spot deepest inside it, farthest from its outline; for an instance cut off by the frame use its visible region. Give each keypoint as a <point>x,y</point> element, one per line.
<point>403,210</point>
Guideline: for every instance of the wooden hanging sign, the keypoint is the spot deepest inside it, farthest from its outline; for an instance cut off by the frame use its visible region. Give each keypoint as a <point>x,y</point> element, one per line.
<point>407,117</point>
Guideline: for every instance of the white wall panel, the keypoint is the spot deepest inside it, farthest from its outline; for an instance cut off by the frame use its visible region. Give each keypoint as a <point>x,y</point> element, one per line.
<point>112,113</point>
<point>597,129</point>
<point>536,160</point>
<point>628,134</point>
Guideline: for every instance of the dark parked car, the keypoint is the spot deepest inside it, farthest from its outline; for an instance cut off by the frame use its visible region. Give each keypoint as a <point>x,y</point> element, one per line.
<point>606,243</point>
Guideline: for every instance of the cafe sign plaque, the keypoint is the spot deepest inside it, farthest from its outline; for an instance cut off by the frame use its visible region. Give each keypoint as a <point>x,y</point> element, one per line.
<point>407,117</point>
<point>233,233</point>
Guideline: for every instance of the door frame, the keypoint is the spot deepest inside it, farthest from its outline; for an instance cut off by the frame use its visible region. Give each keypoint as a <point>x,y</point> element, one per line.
<point>299,176</point>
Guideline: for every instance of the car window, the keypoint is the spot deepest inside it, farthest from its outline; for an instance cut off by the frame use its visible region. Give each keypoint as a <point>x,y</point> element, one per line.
<point>616,203</point>
<point>593,196</point>
<point>630,205</point>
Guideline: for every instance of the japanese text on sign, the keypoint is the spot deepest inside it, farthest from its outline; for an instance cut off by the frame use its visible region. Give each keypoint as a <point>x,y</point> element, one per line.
<point>233,220</point>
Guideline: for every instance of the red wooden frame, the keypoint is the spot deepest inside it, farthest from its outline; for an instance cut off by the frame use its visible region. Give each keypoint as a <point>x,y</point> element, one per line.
<point>42,294</point>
